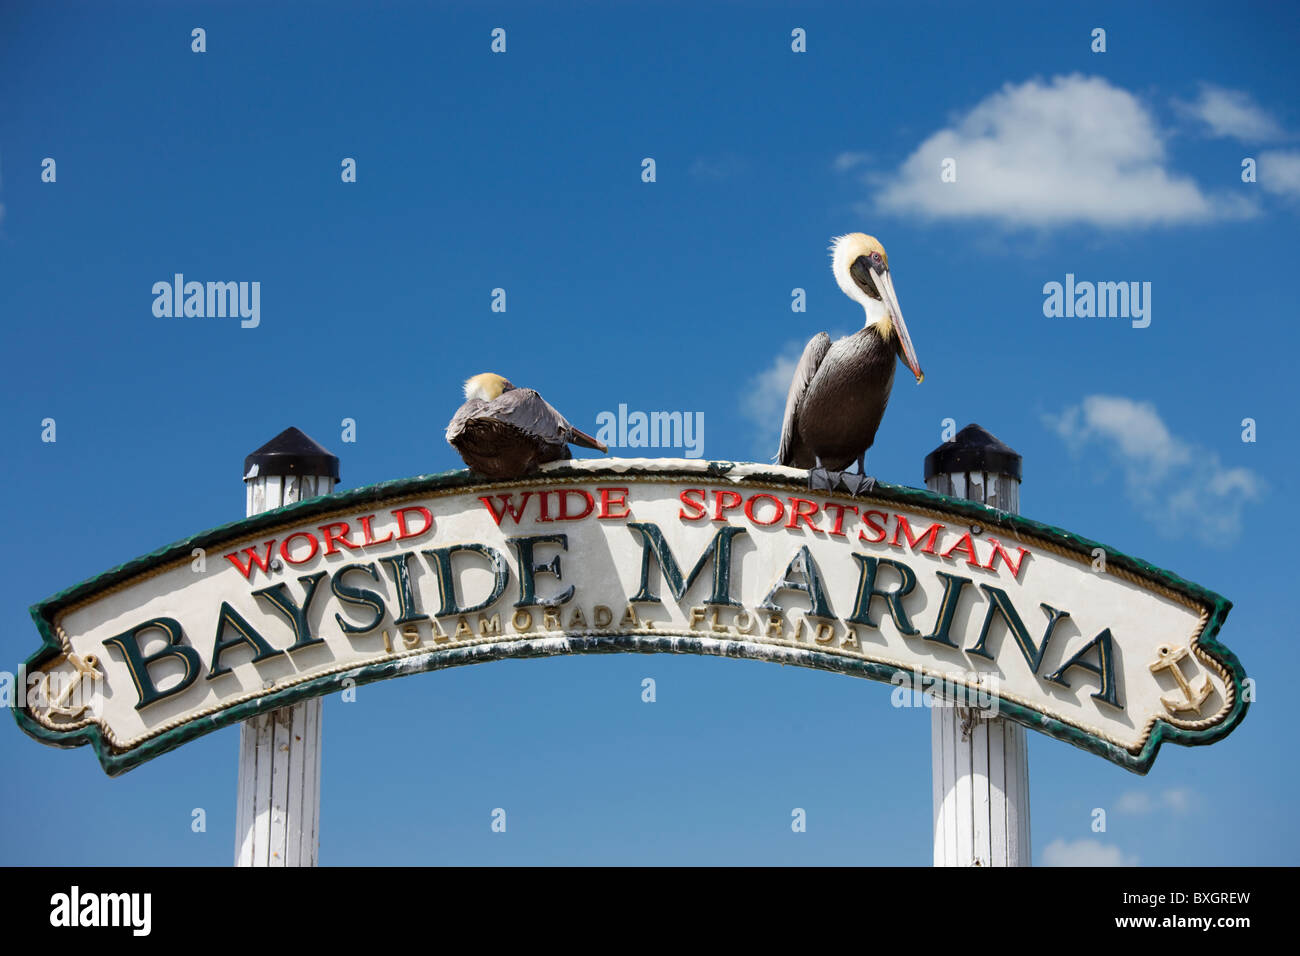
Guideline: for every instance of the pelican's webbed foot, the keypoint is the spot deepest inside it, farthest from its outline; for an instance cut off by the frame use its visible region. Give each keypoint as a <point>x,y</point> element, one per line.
<point>857,485</point>
<point>819,479</point>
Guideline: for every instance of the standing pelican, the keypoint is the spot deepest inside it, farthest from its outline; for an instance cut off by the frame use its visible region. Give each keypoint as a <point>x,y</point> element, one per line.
<point>840,390</point>
<point>505,432</point>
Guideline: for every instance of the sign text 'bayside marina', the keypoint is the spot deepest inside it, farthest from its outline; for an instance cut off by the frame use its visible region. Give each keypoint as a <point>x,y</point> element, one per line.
<point>679,556</point>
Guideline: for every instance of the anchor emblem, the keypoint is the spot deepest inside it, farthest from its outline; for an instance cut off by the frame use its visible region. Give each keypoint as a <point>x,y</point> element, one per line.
<point>1192,698</point>
<point>84,667</point>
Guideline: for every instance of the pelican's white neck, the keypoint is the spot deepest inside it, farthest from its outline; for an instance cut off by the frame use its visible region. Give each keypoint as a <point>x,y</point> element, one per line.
<point>844,252</point>
<point>877,316</point>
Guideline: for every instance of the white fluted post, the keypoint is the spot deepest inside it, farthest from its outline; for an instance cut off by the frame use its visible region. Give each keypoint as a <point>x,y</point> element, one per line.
<point>980,764</point>
<point>277,821</point>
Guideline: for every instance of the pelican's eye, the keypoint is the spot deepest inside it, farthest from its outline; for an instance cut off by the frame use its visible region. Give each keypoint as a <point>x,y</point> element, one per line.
<point>875,258</point>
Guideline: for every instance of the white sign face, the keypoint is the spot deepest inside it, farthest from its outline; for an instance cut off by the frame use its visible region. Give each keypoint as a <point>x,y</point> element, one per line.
<point>743,561</point>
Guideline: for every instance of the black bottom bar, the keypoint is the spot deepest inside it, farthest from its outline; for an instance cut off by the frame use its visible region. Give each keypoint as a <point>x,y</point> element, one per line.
<point>337,906</point>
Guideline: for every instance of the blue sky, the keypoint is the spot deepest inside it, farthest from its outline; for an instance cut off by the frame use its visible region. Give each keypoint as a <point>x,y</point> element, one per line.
<point>522,171</point>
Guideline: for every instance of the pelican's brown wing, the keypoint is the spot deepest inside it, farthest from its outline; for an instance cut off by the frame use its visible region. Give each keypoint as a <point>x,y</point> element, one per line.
<point>792,451</point>
<point>499,440</point>
<point>524,409</point>
<point>464,415</point>
<point>512,434</point>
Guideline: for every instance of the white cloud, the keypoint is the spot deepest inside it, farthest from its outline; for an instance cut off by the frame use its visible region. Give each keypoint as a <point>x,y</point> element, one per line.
<point>717,168</point>
<point>1176,485</point>
<point>847,161</point>
<point>764,399</point>
<point>1073,150</point>
<point>1176,800</point>
<point>1230,113</point>
<point>1085,853</point>
<point>1135,803</point>
<point>1279,172</point>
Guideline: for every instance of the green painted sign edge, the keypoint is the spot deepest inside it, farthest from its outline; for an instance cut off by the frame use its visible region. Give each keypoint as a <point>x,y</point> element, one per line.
<point>43,614</point>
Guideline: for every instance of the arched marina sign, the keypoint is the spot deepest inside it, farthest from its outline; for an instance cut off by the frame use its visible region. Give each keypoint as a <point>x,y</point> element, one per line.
<point>905,586</point>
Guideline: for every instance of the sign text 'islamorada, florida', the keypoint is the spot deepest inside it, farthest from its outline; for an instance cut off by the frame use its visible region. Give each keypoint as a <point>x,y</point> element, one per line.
<point>651,556</point>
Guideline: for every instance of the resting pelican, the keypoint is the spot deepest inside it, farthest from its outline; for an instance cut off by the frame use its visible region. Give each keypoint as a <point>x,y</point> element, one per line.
<point>840,390</point>
<point>505,432</point>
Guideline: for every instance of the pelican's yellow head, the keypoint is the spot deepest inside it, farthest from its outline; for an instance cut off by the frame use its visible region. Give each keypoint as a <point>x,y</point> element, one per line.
<point>486,386</point>
<point>847,248</point>
<point>861,269</point>
<point>859,284</point>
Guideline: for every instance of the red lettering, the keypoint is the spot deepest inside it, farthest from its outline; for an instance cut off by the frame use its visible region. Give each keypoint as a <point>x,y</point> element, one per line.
<point>544,514</point>
<point>563,495</point>
<point>262,561</point>
<point>331,536</point>
<point>284,547</point>
<point>607,498</point>
<point>507,507</point>
<point>697,507</point>
<point>749,509</point>
<point>930,537</point>
<point>719,509</point>
<point>839,515</point>
<point>370,538</point>
<point>1014,566</point>
<point>964,543</point>
<point>880,528</point>
<point>400,515</point>
<point>798,512</point>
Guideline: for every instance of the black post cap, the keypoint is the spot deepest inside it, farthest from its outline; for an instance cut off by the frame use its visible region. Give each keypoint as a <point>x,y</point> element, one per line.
<point>291,453</point>
<point>973,449</point>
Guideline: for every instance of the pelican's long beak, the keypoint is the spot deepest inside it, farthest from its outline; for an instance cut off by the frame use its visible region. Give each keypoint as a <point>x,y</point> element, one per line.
<point>886,286</point>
